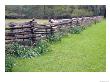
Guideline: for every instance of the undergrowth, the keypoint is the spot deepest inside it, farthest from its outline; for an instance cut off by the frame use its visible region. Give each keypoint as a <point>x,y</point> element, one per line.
<point>16,50</point>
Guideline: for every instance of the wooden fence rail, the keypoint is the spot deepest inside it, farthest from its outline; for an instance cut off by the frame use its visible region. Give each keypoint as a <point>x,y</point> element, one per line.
<point>34,32</point>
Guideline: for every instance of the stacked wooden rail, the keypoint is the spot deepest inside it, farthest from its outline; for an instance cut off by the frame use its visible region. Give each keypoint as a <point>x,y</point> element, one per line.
<point>34,32</point>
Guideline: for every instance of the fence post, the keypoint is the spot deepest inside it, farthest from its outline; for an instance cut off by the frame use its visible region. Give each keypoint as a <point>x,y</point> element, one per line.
<point>32,37</point>
<point>77,22</point>
<point>46,31</point>
<point>51,30</point>
<point>71,22</point>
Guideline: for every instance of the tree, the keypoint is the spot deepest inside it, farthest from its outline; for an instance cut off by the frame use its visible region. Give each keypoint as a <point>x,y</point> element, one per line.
<point>53,11</point>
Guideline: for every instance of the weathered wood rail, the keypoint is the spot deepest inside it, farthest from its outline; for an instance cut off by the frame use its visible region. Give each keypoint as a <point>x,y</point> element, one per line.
<point>34,32</point>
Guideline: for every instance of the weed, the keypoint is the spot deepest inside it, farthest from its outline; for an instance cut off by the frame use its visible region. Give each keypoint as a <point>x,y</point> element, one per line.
<point>75,30</point>
<point>55,37</point>
<point>9,63</point>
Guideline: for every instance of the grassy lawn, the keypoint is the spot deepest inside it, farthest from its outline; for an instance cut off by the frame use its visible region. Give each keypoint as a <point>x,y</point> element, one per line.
<point>85,52</point>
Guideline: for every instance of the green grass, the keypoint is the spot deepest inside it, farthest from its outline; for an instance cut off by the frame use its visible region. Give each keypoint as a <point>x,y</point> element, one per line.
<point>85,52</point>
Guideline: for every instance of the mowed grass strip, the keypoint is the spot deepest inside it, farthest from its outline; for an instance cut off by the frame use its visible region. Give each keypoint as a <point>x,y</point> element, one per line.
<point>85,52</point>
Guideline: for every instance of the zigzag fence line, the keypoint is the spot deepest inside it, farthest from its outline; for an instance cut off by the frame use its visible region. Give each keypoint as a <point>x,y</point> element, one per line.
<point>33,32</point>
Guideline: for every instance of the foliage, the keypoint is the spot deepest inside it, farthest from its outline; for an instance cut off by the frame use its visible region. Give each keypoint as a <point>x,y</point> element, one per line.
<point>17,50</point>
<point>9,63</point>
<point>64,31</point>
<point>53,11</point>
<point>55,37</point>
<point>41,47</point>
<point>75,30</point>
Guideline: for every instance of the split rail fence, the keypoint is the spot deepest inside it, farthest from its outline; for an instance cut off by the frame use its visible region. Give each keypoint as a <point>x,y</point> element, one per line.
<point>32,32</point>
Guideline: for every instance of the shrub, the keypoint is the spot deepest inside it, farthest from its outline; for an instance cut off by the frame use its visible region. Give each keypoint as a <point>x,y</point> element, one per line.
<point>9,63</point>
<point>83,27</point>
<point>55,37</point>
<point>64,31</point>
<point>26,53</point>
<point>75,30</point>
<point>16,50</point>
<point>41,46</point>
